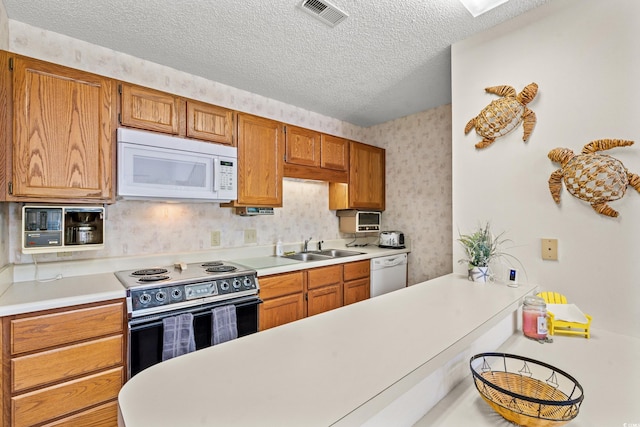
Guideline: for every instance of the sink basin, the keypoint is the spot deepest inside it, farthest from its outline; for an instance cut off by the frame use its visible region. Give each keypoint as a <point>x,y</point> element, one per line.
<point>308,256</point>
<point>322,255</point>
<point>337,253</point>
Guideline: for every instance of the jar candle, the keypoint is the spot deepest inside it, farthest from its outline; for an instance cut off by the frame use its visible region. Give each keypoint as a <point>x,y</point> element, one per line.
<point>534,317</point>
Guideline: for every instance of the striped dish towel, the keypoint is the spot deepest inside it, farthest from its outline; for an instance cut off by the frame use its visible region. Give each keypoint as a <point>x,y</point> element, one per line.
<point>178,337</point>
<point>224,324</point>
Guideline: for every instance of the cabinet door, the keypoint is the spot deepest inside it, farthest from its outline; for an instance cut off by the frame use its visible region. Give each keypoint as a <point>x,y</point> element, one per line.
<point>209,123</point>
<point>63,133</point>
<point>366,186</point>
<point>324,299</point>
<point>335,153</point>
<point>302,146</point>
<point>260,161</point>
<point>149,109</point>
<point>356,290</point>
<point>366,177</point>
<point>278,311</point>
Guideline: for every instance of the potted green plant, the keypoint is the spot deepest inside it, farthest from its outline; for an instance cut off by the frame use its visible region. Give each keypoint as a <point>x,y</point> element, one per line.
<point>480,248</point>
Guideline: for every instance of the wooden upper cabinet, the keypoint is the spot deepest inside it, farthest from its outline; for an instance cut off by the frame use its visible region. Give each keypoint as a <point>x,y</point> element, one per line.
<point>335,153</point>
<point>149,109</point>
<point>63,134</point>
<point>260,161</point>
<point>302,146</point>
<point>366,186</point>
<point>157,111</point>
<point>209,123</point>
<point>312,155</point>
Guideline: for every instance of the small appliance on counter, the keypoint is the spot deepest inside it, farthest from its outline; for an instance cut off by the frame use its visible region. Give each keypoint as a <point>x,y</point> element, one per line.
<point>391,240</point>
<point>62,228</point>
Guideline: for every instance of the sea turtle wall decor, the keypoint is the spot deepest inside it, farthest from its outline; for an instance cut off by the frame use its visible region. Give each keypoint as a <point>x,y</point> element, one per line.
<point>503,115</point>
<point>595,178</point>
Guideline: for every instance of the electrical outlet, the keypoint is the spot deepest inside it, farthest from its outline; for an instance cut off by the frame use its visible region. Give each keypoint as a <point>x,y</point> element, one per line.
<point>250,235</point>
<point>215,238</point>
<point>550,249</point>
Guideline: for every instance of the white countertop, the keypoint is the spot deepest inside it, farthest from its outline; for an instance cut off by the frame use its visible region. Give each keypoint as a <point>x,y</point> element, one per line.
<point>34,295</point>
<point>321,370</point>
<point>606,365</point>
<point>69,283</point>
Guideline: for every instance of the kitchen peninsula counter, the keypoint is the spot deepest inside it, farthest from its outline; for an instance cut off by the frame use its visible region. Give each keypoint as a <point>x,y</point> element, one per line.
<point>337,368</point>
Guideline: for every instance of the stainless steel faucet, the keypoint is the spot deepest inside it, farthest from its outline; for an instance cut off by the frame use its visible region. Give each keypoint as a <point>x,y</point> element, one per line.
<point>306,244</point>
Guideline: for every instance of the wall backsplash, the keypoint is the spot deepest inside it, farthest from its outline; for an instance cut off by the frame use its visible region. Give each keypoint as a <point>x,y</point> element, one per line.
<point>143,228</point>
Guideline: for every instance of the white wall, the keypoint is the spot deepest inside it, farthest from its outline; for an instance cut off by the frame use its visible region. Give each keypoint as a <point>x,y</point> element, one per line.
<point>4,27</point>
<point>584,56</point>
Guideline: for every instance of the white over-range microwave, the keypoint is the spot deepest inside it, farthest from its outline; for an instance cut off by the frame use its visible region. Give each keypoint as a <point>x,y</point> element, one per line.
<point>153,166</point>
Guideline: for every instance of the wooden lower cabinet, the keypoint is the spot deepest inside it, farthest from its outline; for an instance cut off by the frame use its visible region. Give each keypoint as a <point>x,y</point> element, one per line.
<point>324,289</point>
<point>283,299</point>
<point>357,286</point>
<point>64,367</point>
<point>293,296</point>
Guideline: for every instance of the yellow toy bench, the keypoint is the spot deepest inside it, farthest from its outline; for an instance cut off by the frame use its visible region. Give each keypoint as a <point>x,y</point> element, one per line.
<point>565,318</point>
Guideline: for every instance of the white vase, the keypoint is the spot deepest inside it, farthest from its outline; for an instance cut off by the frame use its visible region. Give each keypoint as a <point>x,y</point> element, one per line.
<point>479,274</point>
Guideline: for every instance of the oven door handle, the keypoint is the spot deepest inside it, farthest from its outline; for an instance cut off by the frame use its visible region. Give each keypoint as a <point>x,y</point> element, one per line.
<point>197,311</point>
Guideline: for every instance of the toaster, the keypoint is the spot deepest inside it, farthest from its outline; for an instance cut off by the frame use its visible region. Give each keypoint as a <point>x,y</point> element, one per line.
<point>391,239</point>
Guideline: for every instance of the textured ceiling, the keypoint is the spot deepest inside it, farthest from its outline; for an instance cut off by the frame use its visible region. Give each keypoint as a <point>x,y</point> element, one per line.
<point>388,59</point>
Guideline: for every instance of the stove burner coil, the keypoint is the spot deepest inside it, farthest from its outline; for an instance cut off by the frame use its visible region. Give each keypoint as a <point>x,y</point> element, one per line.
<point>156,278</point>
<point>212,264</point>
<point>220,269</point>
<point>149,271</point>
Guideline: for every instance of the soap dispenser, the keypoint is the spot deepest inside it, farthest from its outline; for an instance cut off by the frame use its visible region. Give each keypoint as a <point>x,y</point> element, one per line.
<point>279,249</point>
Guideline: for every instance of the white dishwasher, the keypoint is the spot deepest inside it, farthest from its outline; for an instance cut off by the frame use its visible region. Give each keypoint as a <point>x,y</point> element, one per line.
<point>388,273</point>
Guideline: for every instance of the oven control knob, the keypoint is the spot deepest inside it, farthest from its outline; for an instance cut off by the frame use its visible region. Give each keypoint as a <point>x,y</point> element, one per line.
<point>236,284</point>
<point>224,285</point>
<point>248,282</point>
<point>145,298</point>
<point>176,293</point>
<point>161,296</point>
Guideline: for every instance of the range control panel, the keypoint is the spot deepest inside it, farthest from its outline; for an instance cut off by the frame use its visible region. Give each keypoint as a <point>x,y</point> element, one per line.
<point>152,297</point>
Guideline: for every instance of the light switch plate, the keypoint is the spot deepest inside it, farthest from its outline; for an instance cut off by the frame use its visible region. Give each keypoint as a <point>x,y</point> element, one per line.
<point>550,249</point>
<point>250,235</point>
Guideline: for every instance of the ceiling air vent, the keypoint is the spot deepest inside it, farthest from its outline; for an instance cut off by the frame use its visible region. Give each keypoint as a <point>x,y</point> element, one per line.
<point>324,11</point>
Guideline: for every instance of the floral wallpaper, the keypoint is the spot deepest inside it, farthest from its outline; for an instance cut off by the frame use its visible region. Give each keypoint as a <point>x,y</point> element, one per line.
<point>418,187</point>
<point>418,161</point>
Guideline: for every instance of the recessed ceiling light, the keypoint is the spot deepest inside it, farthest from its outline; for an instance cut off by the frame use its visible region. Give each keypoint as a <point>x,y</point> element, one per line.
<point>478,7</point>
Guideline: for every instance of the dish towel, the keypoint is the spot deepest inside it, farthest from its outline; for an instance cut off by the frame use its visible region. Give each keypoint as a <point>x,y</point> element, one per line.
<point>178,337</point>
<point>224,325</point>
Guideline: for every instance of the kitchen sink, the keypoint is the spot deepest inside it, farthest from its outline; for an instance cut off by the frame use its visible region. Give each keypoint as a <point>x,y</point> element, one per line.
<point>322,255</point>
<point>337,253</point>
<point>308,256</point>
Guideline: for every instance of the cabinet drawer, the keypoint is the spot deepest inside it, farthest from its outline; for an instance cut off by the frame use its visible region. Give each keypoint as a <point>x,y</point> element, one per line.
<point>66,362</point>
<point>356,290</point>
<point>101,416</point>
<point>324,276</point>
<point>357,270</point>
<point>48,330</point>
<point>281,284</point>
<point>55,401</point>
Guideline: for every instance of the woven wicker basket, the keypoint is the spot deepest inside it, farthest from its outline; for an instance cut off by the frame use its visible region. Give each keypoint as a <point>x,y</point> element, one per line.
<point>509,384</point>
